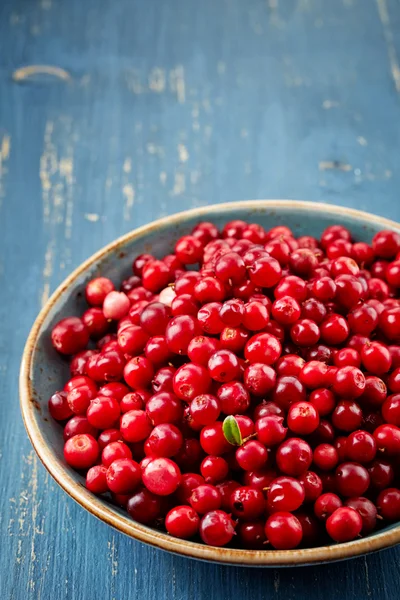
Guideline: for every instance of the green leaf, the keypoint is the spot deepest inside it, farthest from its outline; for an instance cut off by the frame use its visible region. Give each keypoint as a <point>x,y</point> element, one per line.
<point>231,431</point>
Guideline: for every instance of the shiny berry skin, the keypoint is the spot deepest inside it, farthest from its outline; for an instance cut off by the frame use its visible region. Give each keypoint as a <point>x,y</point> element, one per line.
<point>283,531</point>
<point>285,494</point>
<point>161,476</point>
<point>376,358</point>
<point>389,323</point>
<point>205,409</point>
<point>264,409</point>
<point>247,503</point>
<point>387,439</point>
<point>381,474</point>
<point>270,430</point>
<point>214,469</point>
<point>352,479</point>
<point>209,289</point>
<point>234,339</point>
<point>230,268</point>
<point>312,485</point>
<point>216,528</point>
<point>180,331</point>
<point>305,332</point>
<point>79,424</point>
<point>77,366</point>
<point>386,244</point>
<point>95,321</point>
<point>138,372</point>
<point>213,441</point>
<point>256,316</point>
<point>70,336</point>
<point>347,357</point>
<point>234,398</point>
<point>349,382</point>
<point>205,498</point>
<point>334,330</point>
<point>325,505</point>
<point>164,441</point>
<point>360,447</point>
<point>155,276</point>
<point>109,436</point>
<point>81,451</point>
<point>294,457</point>
<point>59,407</point>
<point>164,407</point>
<point>209,319</point>
<point>265,272</point>
<point>103,412</point>
<point>96,479</point>
<point>391,410</point>
<point>184,304</point>
<point>288,390</point>
<point>363,319</point>
<point>114,451</point>
<point>201,348</point>
<point>163,380</point>
<point>251,456</point>
<point>289,365</point>
<point>252,535</point>
<point>135,426</point>
<point>259,379</point>
<point>189,250</point>
<point>144,506</point>
<point>393,274</point>
<point>188,482</point>
<point>191,380</point>
<point>139,263</point>
<point>286,310</point>
<point>375,392</point>
<point>231,312</point>
<point>367,511</point>
<point>302,418</point>
<point>388,504</point>
<point>344,524</point>
<point>323,401</point>
<point>293,286</point>
<point>325,457</point>
<point>97,289</point>
<point>182,522</point>
<point>393,381</point>
<point>123,476</point>
<point>263,348</point>
<point>223,366</point>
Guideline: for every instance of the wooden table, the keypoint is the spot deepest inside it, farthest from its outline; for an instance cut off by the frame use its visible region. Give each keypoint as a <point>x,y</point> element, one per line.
<point>114,113</point>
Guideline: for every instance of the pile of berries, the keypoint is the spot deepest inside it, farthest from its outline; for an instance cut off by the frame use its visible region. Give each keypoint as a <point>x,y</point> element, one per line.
<point>244,390</point>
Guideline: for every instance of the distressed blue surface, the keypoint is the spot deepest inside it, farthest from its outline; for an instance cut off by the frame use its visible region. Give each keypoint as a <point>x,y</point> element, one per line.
<point>162,106</point>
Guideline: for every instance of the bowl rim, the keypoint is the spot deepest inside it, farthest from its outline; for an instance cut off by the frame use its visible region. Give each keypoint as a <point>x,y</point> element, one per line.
<point>106,512</point>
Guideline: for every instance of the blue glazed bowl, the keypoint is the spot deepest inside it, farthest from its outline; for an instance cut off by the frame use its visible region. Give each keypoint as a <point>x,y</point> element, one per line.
<point>43,371</point>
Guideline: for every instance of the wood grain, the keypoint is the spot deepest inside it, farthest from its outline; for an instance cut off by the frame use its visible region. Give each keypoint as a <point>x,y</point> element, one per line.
<point>115,113</point>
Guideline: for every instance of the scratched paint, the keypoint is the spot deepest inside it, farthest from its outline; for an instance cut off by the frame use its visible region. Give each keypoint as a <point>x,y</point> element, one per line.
<point>39,72</point>
<point>5,147</point>
<point>389,39</point>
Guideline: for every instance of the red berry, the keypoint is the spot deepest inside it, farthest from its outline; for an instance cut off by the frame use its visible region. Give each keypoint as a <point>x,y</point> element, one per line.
<point>283,531</point>
<point>344,524</point>
<point>161,476</point>
<point>388,504</point>
<point>182,522</point>
<point>70,335</point>
<point>205,498</point>
<point>352,479</point>
<point>285,494</point>
<point>216,528</point>
<point>123,476</point>
<point>81,451</point>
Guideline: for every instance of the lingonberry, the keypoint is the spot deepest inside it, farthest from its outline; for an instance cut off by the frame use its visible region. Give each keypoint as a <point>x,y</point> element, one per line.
<point>387,439</point>
<point>103,412</point>
<point>204,498</point>
<point>375,392</point>
<point>289,365</point>
<point>294,457</point>
<point>138,372</point>
<point>209,289</point>
<point>205,409</point>
<point>270,430</point>
<point>163,380</point>
<point>305,332</point>
<point>59,407</point>
<point>363,319</point>
<point>325,457</point>
<point>347,415</point>
<point>184,304</point>
<point>326,504</point>
<point>223,366</point>
<point>376,358</point>
<point>180,331</point>
<point>182,522</point>
<point>96,479</point>
<point>214,469</point>
<point>114,451</point>
<point>109,436</point>
<point>213,441</point>
<point>234,398</point>
<point>143,506</point>
<point>360,447</point>
<point>393,381</point>
<point>367,511</point>
<point>135,426</point>
<point>97,289</point>
<point>70,335</point>
<point>123,476</point>
<point>293,286</point>
<point>251,456</point>
<point>209,319</point>
<point>188,482</point>
<point>381,474</point>
<point>352,479</point>
<point>312,485</point>
<point>161,476</point>
<point>344,524</point>
<point>349,382</point>
<point>164,441</point>
<point>81,451</point>
<point>79,424</point>
<point>389,323</point>
<point>386,244</point>
<point>252,535</point>
<point>285,494</point>
<point>334,329</point>
<point>247,503</point>
<point>95,321</point>
<point>323,401</point>
<point>302,418</point>
<point>267,408</point>
<point>216,528</point>
<point>313,374</point>
<point>191,380</point>
<point>388,504</point>
<point>201,348</point>
<point>283,531</point>
<point>288,390</point>
<point>391,410</point>
<point>259,379</point>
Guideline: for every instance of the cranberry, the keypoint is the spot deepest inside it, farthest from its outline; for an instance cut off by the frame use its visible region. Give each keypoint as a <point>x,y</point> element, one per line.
<point>213,441</point>
<point>214,469</point>
<point>302,418</point>
<point>344,524</point>
<point>114,451</point>
<point>182,522</point>
<point>79,424</point>
<point>334,329</point>
<point>270,430</point>
<point>161,476</point>
<point>305,332</point>
<point>323,401</point>
<point>144,506</point>
<point>252,535</point>
<point>325,457</point>
<point>387,439</point>
<point>376,358</point>
<point>283,531</point>
<point>96,479</point>
<point>135,426</point>
<point>312,485</point>
<point>288,390</point>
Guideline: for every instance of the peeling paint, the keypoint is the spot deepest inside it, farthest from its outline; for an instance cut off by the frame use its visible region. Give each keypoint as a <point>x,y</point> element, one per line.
<point>390,45</point>
<point>362,141</point>
<point>328,104</point>
<point>177,83</point>
<point>183,153</point>
<point>326,165</point>
<point>37,70</point>
<point>179,184</point>
<point>157,80</point>
<point>5,148</point>
<point>92,217</point>
<point>129,195</point>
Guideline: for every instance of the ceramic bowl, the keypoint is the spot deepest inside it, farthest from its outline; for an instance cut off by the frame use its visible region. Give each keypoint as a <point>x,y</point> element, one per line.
<point>43,371</point>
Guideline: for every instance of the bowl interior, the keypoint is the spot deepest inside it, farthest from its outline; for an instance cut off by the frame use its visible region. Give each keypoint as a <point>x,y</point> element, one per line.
<point>48,371</point>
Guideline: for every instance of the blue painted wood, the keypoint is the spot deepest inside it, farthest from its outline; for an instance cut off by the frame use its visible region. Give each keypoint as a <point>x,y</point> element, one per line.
<point>155,107</point>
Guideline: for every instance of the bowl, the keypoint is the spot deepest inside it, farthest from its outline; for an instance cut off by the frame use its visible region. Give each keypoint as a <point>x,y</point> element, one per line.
<point>43,370</point>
